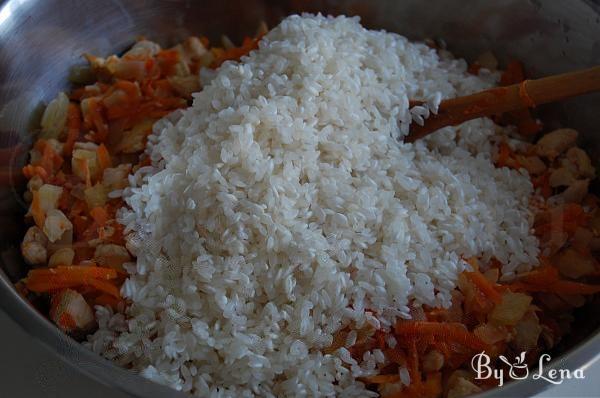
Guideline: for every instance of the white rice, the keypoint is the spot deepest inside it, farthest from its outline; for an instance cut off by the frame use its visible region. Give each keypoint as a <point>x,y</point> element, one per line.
<point>281,206</point>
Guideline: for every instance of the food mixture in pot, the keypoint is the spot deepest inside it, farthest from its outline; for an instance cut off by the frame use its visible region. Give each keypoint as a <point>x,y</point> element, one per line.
<point>246,221</point>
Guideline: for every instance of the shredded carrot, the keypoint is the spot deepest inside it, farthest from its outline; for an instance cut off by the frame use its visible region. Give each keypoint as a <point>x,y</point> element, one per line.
<point>443,347</point>
<point>95,119</point>
<point>107,300</point>
<point>31,170</point>
<point>474,68</point>
<point>574,216</point>
<point>546,278</point>
<point>167,59</point>
<point>162,88</point>
<point>50,160</point>
<point>559,287</point>
<point>72,271</point>
<point>77,208</point>
<point>51,284</point>
<point>451,331</point>
<point>379,339</point>
<point>545,274</point>
<point>514,73</point>
<point>73,128</point>
<point>132,89</point>
<point>432,387</point>
<point>122,99</point>
<point>47,164</point>
<point>503,154</point>
<point>66,321</point>
<point>105,287</point>
<point>435,313</point>
<point>129,99</point>
<point>395,355</point>
<point>83,165</point>
<point>569,220</point>
<point>485,286</point>
<point>413,365</point>
<point>381,379</point>
<point>36,210</point>
<point>543,183</point>
<point>42,280</point>
<point>235,53</point>
<point>100,215</point>
<point>103,157</point>
<point>506,157</point>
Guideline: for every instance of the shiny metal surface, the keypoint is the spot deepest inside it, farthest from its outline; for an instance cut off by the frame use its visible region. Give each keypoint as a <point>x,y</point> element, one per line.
<point>41,39</point>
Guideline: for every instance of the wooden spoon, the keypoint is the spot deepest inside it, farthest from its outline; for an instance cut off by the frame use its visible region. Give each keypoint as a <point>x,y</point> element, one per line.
<point>527,94</point>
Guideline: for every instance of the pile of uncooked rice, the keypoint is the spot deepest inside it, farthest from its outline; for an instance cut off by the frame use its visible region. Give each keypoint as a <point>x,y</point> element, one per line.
<point>282,206</point>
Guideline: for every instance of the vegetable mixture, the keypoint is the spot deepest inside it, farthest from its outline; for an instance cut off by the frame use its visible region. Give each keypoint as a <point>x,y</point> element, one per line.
<point>90,141</point>
<point>92,138</point>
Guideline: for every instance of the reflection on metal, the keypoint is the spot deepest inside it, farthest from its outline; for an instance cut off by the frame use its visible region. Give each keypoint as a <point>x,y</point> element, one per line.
<point>10,8</point>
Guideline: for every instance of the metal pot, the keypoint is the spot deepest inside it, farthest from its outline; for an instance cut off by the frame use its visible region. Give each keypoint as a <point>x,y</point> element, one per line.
<point>41,40</point>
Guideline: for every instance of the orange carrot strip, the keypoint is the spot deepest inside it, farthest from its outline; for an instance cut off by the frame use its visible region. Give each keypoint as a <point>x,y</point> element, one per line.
<point>433,385</point>
<point>484,285</point>
<point>55,283</point>
<point>451,331</point>
<point>121,99</point>
<point>503,154</point>
<point>543,182</point>
<point>560,287</point>
<point>380,379</point>
<point>83,164</point>
<point>413,365</point>
<point>103,157</point>
<point>97,120</point>
<point>574,216</point>
<point>30,171</point>
<point>107,300</point>
<point>105,287</point>
<point>235,53</point>
<point>162,88</point>
<point>544,275</point>
<point>506,157</point>
<point>100,215</point>
<point>395,355</point>
<point>474,68</point>
<point>132,89</point>
<point>72,271</point>
<point>66,321</point>
<point>50,160</point>
<point>52,285</point>
<point>167,59</point>
<point>73,128</point>
<point>570,219</point>
<point>36,210</point>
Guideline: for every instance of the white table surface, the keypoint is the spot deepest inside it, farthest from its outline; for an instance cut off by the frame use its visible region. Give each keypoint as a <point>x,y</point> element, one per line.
<point>30,370</point>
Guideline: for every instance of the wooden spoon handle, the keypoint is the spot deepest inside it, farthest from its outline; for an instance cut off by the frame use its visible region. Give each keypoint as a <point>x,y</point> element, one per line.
<point>494,101</point>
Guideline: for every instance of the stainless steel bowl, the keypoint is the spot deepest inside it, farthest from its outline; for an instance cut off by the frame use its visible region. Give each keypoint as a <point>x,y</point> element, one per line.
<point>41,39</point>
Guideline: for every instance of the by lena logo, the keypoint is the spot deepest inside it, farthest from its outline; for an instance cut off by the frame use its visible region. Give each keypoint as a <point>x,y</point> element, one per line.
<point>518,369</point>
